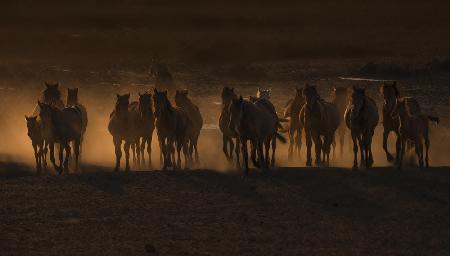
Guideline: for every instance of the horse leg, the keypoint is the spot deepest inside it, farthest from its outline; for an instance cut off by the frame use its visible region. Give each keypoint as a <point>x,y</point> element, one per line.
<point>267,148</point>
<point>232,148</point>
<point>44,154</point>
<point>385,138</point>
<point>197,158</point>
<point>133,152</point>
<point>291,145</point>
<point>187,156</point>
<point>355,151</point>
<point>298,142</point>
<point>76,150</point>
<point>419,151</point>
<point>308,147</point>
<point>149,152</point>
<point>274,146</point>
<point>427,147</point>
<point>225,146</point>
<point>342,142</point>
<point>253,154</point>
<point>245,155</point>
<point>237,152</point>
<point>178,145</point>
<point>318,147</point>
<point>37,158</point>
<point>261,160</point>
<point>66,159</point>
<point>402,152</point>
<point>362,150</point>
<point>118,150</point>
<point>126,148</point>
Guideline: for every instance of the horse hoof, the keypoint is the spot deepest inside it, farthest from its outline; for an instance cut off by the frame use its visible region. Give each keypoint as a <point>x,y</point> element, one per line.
<point>389,158</point>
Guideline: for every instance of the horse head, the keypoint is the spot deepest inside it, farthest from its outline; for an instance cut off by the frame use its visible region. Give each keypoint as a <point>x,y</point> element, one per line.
<point>236,110</point>
<point>31,124</point>
<point>228,94</point>
<point>161,102</point>
<point>145,101</point>
<point>357,102</point>
<point>51,93</point>
<point>181,97</point>
<point>311,95</point>
<point>72,96</point>
<point>390,95</point>
<point>263,93</point>
<point>122,103</point>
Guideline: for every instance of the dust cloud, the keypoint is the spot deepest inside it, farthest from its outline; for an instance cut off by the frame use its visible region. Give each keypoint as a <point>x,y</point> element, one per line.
<point>20,100</point>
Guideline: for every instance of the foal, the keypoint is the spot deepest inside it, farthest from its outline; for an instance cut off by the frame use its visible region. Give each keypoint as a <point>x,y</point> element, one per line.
<point>37,140</point>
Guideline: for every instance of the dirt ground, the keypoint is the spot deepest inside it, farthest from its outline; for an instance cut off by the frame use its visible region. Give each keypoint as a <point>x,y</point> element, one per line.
<point>288,211</point>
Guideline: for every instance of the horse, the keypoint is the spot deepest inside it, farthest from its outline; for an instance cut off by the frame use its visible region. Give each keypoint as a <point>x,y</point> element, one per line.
<point>122,126</point>
<point>295,127</point>
<point>320,118</point>
<point>34,126</point>
<point>172,125</point>
<point>72,100</point>
<point>361,117</point>
<point>196,121</point>
<point>413,127</point>
<point>50,95</point>
<point>340,100</point>
<point>146,126</point>
<point>263,93</point>
<point>228,134</point>
<point>252,122</point>
<point>390,124</point>
<point>161,74</point>
<point>62,126</point>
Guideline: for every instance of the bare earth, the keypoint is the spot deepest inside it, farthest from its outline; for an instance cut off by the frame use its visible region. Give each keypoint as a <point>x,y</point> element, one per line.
<point>289,211</point>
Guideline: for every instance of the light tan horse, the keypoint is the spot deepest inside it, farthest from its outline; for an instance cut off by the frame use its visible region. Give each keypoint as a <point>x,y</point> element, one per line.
<point>171,124</point>
<point>35,133</point>
<point>295,127</point>
<point>361,117</point>
<point>195,121</point>
<point>320,119</point>
<point>228,135</point>
<point>253,122</point>
<point>340,100</point>
<point>413,127</point>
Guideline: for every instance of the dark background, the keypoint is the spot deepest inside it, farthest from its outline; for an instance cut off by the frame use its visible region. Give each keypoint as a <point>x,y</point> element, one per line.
<point>221,32</point>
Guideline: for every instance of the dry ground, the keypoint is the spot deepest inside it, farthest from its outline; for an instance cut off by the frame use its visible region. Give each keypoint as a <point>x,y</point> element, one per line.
<point>289,211</point>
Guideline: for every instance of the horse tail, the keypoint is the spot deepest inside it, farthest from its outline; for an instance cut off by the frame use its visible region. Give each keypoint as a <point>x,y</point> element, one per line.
<point>280,137</point>
<point>433,119</point>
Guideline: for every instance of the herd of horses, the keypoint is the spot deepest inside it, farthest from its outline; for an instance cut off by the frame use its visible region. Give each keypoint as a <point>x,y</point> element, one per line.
<point>246,124</point>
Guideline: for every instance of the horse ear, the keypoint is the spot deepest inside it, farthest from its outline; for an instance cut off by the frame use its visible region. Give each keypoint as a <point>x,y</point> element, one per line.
<point>232,89</point>
<point>165,92</point>
<point>354,88</point>
<point>127,95</point>
<point>76,90</point>
<point>40,104</point>
<point>241,99</point>
<point>26,117</point>
<point>47,84</point>
<point>118,95</point>
<point>185,91</point>
<point>155,90</point>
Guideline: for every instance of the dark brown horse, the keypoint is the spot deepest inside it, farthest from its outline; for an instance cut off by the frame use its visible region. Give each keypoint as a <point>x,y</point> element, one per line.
<point>253,122</point>
<point>72,100</point>
<point>295,127</point>
<point>228,135</point>
<point>195,121</point>
<point>51,96</point>
<point>320,119</point>
<point>61,126</point>
<point>34,126</point>
<point>146,126</point>
<point>340,100</point>
<point>122,128</point>
<point>390,123</point>
<point>361,117</point>
<point>171,125</point>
